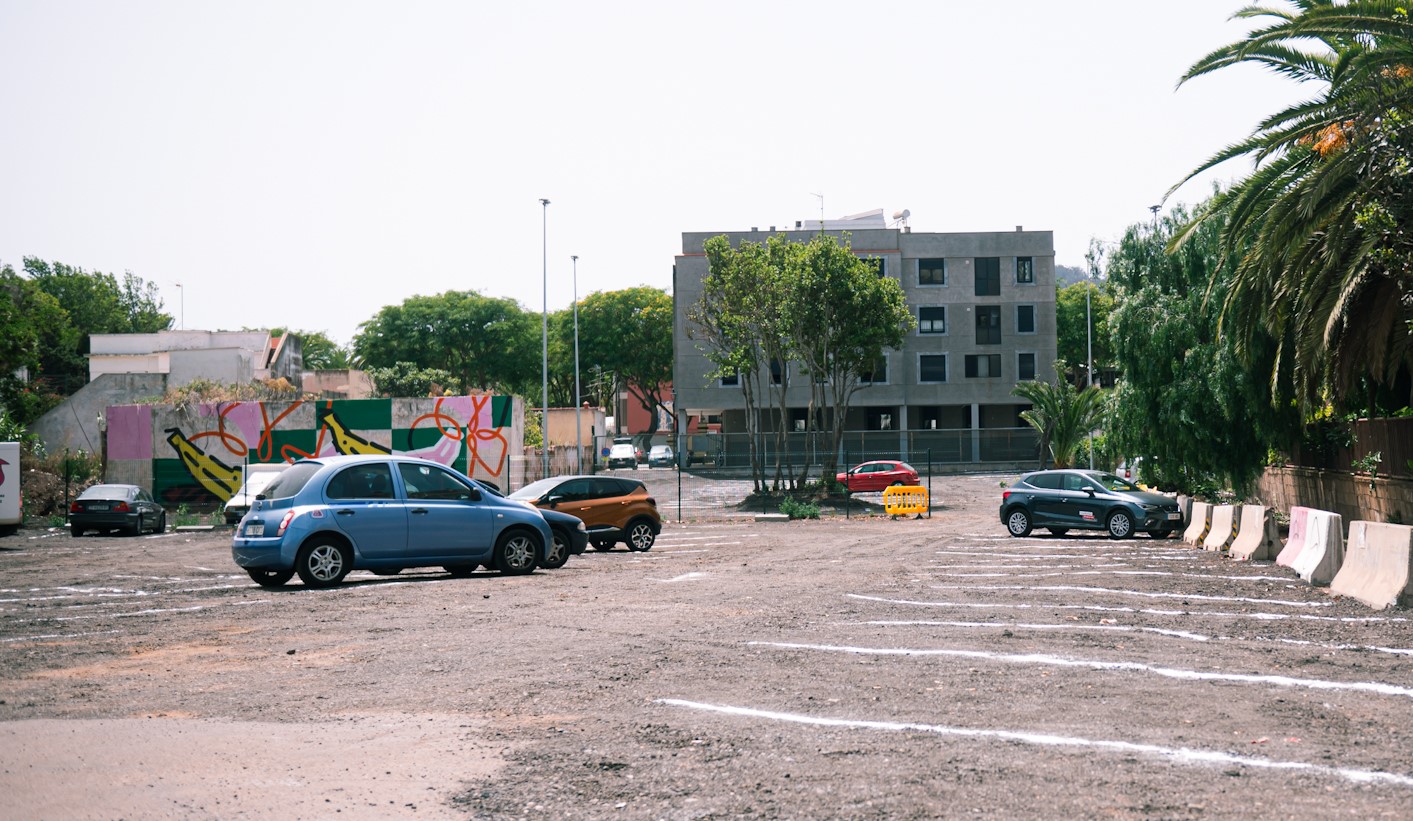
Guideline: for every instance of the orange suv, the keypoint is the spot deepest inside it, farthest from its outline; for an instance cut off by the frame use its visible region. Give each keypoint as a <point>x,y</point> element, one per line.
<point>613,509</point>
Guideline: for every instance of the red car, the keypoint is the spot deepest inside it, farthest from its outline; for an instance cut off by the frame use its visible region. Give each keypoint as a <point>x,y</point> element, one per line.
<point>877,476</point>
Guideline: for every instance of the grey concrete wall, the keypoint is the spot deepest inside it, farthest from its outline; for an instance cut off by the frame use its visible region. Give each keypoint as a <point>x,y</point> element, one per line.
<point>74,423</point>
<point>1353,496</point>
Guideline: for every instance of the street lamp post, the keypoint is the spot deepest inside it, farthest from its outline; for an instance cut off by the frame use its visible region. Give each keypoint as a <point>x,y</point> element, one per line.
<point>183,304</point>
<point>544,337</point>
<point>578,425</point>
<point>1089,358</point>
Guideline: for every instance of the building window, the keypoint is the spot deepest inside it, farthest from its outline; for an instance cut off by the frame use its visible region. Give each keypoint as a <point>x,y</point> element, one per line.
<point>984,366</point>
<point>731,381</point>
<point>879,418</point>
<point>777,372</point>
<point>1025,270</point>
<point>988,324</point>
<point>880,265</point>
<point>1025,319</point>
<point>988,276</point>
<point>932,367</point>
<point>879,374</point>
<point>1025,366</point>
<point>932,320</point>
<point>932,272</point>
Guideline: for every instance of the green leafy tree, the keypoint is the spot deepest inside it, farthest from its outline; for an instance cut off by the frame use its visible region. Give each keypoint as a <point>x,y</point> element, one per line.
<point>483,343</point>
<point>94,303</point>
<point>1200,413</point>
<point>29,319</point>
<point>627,334</point>
<point>1061,413</point>
<point>406,379</point>
<point>843,316</point>
<point>1320,235</point>
<point>1073,337</point>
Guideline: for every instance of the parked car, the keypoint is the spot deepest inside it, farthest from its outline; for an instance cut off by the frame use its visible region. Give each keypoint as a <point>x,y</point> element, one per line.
<point>1064,500</point>
<point>661,456</point>
<point>877,476</point>
<point>128,508</point>
<point>571,537</point>
<point>257,477</point>
<point>613,509</point>
<point>622,455</point>
<point>325,516</point>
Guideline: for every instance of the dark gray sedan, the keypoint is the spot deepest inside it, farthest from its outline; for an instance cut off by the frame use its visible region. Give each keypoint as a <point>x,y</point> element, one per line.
<point>1064,500</point>
<point>128,508</point>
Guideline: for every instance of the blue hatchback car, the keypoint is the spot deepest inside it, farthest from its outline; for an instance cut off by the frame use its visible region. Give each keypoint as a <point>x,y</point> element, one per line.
<point>326,516</point>
<point>1065,500</point>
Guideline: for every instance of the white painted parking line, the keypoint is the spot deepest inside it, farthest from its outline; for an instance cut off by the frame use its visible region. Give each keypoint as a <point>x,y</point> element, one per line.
<point>1140,593</point>
<point>1014,625</point>
<point>1111,570</point>
<point>685,577</point>
<point>1148,611</point>
<point>1179,755</point>
<point>1374,687</point>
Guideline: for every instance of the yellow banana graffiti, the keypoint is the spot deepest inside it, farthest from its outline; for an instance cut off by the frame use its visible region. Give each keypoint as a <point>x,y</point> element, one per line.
<point>212,473</point>
<point>345,440</point>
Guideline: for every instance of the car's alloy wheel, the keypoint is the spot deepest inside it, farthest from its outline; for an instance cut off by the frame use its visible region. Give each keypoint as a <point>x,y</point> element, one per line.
<point>558,552</point>
<point>1120,525</point>
<point>516,553</point>
<point>323,563</point>
<point>1018,522</point>
<point>641,536</point>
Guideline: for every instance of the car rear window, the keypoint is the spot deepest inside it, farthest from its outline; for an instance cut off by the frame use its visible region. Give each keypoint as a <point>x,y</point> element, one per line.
<point>291,480</point>
<point>107,492</point>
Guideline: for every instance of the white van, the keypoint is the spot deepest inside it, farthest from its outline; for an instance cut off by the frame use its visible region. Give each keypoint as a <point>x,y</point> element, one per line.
<point>257,478</point>
<point>11,502</point>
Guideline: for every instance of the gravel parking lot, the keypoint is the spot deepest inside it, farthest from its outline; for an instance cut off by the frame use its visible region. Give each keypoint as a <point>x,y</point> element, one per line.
<point>867,668</point>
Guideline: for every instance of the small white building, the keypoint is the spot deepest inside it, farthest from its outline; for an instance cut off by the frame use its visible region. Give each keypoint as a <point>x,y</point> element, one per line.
<point>228,357</point>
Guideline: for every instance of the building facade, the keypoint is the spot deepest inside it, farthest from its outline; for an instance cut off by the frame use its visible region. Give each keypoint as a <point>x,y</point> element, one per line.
<point>985,309</point>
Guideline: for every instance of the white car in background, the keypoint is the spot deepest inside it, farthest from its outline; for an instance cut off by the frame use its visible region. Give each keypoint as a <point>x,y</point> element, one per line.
<point>257,478</point>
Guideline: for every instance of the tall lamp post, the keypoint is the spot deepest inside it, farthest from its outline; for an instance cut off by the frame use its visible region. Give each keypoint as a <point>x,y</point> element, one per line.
<point>183,304</point>
<point>1089,339</point>
<point>578,425</point>
<point>544,337</point>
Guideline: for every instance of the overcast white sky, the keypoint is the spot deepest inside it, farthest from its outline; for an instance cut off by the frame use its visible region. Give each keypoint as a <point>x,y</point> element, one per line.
<point>304,164</point>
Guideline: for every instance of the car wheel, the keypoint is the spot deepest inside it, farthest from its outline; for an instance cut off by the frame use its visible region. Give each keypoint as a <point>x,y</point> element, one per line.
<point>640,536</point>
<point>162,522</point>
<point>517,553</point>
<point>1058,531</point>
<point>135,530</point>
<point>323,562</point>
<point>1018,522</point>
<point>460,571</point>
<point>270,578</point>
<point>76,531</point>
<point>1120,525</point>
<point>603,544</point>
<point>559,550</point>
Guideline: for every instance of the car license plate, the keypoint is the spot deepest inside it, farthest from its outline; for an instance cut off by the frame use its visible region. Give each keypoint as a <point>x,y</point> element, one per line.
<point>255,529</point>
<point>92,506</point>
<point>1174,515</point>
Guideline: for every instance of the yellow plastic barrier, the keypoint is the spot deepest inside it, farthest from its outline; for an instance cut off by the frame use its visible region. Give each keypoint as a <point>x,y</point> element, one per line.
<point>903,499</point>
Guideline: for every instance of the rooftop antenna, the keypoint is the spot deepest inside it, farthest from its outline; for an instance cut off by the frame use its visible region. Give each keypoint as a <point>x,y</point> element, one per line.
<point>821,211</point>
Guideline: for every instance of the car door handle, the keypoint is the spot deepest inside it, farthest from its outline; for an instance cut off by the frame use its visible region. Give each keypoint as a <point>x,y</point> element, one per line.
<point>418,511</point>
<point>345,512</point>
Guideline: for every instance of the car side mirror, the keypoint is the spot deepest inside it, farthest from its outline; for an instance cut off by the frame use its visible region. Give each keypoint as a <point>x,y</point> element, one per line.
<point>1089,490</point>
<point>474,495</point>
<point>552,501</point>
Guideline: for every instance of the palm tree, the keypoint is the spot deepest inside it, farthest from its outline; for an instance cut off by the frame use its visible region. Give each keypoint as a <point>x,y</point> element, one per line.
<point>1061,413</point>
<point>1321,232</point>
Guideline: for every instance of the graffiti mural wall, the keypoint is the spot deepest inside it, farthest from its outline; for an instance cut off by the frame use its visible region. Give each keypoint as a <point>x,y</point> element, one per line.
<point>194,454</point>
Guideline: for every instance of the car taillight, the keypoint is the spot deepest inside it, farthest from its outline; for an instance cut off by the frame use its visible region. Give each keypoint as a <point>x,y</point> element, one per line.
<point>1005,495</point>
<point>121,507</point>
<point>74,507</point>
<point>284,523</point>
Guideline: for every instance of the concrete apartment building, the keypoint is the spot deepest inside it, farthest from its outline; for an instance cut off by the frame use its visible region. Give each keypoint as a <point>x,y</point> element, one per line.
<point>985,306</point>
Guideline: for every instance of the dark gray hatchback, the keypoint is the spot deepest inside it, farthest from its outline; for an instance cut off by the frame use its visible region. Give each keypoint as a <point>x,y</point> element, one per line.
<point>1064,500</point>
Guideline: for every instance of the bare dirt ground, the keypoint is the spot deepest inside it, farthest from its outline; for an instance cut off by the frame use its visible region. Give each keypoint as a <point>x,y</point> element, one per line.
<point>866,668</point>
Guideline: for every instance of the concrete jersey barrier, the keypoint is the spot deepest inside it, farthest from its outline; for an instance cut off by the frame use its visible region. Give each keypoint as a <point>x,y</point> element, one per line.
<point>1257,537</point>
<point>1378,569</point>
<point>1323,554</point>
<point>1199,522</point>
<point>1295,540</point>
<point>1223,528</point>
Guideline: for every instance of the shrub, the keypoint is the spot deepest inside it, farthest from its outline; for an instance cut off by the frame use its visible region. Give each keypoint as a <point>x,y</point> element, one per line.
<point>799,510</point>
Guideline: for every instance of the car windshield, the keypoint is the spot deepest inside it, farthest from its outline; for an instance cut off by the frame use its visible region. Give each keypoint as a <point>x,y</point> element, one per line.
<point>535,490</point>
<point>291,480</point>
<point>107,492</point>
<point>1113,482</point>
